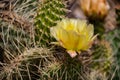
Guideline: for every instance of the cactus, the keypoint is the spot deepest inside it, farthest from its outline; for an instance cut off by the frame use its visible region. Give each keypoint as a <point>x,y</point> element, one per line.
<point>82,67</point>
<point>27,65</point>
<point>114,39</point>
<point>16,27</point>
<point>102,57</point>
<point>11,37</point>
<point>49,12</point>
<point>65,68</point>
<point>15,36</point>
<point>22,59</point>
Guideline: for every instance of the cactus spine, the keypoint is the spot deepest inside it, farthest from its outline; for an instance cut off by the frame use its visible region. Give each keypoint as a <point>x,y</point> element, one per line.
<point>49,12</point>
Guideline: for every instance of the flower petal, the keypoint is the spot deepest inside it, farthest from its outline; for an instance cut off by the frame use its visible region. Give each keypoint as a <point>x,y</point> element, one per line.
<point>89,31</point>
<point>81,42</point>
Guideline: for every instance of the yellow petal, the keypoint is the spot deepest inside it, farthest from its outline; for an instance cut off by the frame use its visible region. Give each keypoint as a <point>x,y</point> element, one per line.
<point>73,40</point>
<point>89,31</point>
<point>94,37</point>
<point>69,39</point>
<point>63,38</point>
<point>81,42</point>
<point>81,26</point>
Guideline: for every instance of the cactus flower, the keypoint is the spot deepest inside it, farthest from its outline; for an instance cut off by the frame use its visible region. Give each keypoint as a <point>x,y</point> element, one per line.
<point>95,8</point>
<point>74,35</point>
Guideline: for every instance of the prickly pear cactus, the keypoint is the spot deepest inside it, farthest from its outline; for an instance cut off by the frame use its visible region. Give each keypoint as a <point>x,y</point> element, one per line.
<point>49,12</point>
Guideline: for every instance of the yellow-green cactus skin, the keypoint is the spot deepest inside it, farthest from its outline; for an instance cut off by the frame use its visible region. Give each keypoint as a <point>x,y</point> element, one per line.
<point>48,13</point>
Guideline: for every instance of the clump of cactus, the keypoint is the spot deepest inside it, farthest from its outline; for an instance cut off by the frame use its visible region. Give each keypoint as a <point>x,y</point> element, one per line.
<point>48,13</point>
<point>16,33</point>
<point>98,58</point>
<point>81,67</point>
<point>76,55</point>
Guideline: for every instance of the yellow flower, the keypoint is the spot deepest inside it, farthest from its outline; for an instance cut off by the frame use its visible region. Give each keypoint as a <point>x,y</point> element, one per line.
<point>74,35</point>
<point>95,8</point>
